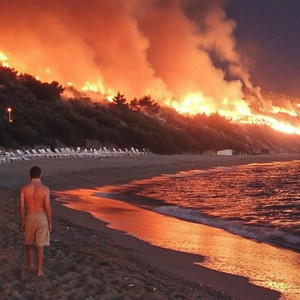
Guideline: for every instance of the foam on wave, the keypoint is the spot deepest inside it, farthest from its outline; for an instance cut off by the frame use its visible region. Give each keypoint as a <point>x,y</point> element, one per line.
<point>259,233</point>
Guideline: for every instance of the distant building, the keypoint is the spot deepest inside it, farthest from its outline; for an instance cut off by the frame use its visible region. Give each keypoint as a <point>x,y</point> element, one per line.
<point>226,152</point>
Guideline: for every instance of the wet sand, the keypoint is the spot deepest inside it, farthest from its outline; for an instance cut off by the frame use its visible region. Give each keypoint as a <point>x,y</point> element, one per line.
<point>88,260</point>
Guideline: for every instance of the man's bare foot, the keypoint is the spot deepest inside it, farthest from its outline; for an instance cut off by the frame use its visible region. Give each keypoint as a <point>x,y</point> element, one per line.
<point>41,273</point>
<point>30,270</point>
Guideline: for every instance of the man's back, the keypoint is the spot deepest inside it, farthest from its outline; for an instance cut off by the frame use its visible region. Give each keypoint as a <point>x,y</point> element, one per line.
<point>35,196</point>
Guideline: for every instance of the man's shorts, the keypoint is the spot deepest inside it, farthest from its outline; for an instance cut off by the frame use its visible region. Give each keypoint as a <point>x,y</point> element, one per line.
<point>37,230</point>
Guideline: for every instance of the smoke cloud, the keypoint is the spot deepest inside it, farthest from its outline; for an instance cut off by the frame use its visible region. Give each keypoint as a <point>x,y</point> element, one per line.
<point>133,46</point>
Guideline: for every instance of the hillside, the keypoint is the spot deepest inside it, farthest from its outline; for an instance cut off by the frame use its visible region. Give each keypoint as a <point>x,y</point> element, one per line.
<point>42,116</point>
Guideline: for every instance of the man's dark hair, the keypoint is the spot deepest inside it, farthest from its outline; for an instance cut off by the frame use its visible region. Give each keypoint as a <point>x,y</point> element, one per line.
<point>35,172</point>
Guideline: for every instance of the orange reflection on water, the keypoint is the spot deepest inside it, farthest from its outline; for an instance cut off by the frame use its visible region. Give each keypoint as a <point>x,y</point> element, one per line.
<point>144,224</point>
<point>263,264</point>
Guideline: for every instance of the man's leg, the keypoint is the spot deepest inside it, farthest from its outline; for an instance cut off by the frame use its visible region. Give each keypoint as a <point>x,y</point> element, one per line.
<point>29,258</point>
<point>39,258</point>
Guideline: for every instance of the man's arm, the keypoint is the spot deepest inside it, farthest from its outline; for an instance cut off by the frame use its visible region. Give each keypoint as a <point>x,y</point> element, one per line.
<point>48,209</point>
<point>21,209</point>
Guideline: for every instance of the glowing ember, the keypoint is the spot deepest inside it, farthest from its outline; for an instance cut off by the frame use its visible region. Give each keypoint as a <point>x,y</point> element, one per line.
<point>278,125</point>
<point>109,98</point>
<point>96,87</point>
<point>3,60</point>
<point>2,57</point>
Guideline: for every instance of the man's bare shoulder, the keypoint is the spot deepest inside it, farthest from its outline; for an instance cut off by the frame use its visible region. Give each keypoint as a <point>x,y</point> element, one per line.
<point>25,186</point>
<point>43,186</point>
<point>46,187</point>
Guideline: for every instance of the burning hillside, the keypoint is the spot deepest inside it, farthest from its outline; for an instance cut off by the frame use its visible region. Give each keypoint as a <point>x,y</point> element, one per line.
<point>167,49</point>
<point>35,113</point>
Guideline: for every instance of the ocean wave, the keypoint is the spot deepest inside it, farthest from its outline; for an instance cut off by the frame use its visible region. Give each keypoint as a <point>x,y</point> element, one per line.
<point>259,233</point>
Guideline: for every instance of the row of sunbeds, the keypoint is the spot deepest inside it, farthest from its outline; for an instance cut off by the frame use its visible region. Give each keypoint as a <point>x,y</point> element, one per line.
<point>19,155</point>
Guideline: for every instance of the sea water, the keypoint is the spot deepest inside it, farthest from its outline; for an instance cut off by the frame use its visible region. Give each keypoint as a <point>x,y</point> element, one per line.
<point>257,201</point>
<point>245,220</point>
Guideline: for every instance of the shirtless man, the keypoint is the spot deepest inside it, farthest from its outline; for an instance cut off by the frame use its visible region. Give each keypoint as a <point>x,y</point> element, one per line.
<point>35,199</point>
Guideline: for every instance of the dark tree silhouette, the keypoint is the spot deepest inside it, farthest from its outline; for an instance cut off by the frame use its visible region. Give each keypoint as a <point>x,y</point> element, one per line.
<point>134,105</point>
<point>120,100</point>
<point>43,91</point>
<point>7,75</point>
<point>145,103</point>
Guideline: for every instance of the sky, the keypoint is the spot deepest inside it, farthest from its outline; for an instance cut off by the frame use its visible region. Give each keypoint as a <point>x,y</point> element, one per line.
<point>268,36</point>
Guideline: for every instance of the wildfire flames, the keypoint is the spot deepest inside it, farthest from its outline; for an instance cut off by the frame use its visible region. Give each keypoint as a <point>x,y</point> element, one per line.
<point>138,48</point>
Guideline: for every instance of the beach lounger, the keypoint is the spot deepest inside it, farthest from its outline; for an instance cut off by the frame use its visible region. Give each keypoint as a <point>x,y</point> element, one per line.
<point>60,153</point>
<point>22,154</point>
<point>12,157</point>
<point>36,154</point>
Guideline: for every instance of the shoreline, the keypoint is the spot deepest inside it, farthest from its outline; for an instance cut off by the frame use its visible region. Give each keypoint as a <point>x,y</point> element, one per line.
<point>149,262</point>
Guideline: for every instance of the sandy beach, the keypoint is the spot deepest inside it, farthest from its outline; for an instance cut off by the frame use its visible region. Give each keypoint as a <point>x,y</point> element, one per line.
<point>87,260</point>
